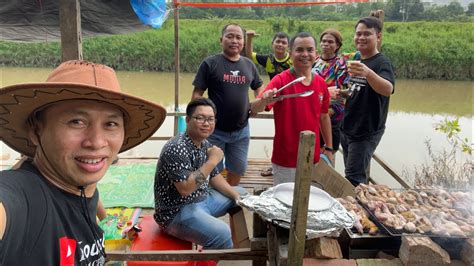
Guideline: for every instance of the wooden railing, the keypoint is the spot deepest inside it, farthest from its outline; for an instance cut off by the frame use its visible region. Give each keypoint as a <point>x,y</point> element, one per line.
<point>377,158</point>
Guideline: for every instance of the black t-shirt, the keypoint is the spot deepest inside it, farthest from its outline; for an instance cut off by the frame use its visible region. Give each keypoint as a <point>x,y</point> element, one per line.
<point>366,111</point>
<point>228,83</point>
<point>46,225</point>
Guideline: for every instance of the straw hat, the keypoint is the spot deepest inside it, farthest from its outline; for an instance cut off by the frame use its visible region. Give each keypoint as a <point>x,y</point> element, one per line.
<point>74,80</point>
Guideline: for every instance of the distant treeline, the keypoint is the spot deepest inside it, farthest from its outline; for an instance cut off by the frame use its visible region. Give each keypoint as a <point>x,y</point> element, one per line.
<point>395,10</point>
<point>418,50</point>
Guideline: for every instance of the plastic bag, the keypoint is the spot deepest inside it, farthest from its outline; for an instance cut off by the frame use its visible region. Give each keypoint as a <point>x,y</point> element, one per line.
<point>110,227</point>
<point>150,12</point>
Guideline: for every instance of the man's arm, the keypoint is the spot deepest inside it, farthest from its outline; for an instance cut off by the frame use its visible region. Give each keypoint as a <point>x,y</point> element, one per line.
<point>326,132</point>
<point>259,104</point>
<point>220,184</point>
<point>379,84</point>
<point>198,177</point>
<point>3,220</point>
<point>197,93</point>
<point>248,44</point>
<point>259,90</point>
<point>101,211</point>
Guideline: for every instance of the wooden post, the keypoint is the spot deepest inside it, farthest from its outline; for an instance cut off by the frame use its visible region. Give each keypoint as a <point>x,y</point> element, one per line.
<point>176,64</point>
<point>299,212</point>
<point>70,27</point>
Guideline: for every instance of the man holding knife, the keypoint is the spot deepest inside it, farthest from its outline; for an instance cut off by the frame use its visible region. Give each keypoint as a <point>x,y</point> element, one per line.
<point>301,106</point>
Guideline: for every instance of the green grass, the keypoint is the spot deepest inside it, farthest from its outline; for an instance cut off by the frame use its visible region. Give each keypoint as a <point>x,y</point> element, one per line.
<point>421,50</point>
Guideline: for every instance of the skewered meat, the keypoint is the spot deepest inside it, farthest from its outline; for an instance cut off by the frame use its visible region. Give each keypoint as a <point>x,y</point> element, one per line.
<point>357,224</point>
<point>362,223</point>
<point>410,227</point>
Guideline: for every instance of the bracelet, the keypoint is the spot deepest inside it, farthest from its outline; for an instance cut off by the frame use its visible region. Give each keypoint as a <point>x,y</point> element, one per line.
<point>328,149</point>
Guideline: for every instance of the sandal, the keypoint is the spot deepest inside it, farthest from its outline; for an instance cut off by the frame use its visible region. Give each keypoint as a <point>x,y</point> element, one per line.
<point>268,172</point>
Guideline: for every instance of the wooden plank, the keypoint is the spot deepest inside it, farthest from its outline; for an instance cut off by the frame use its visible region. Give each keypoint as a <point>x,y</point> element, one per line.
<point>185,255</point>
<point>323,248</point>
<point>299,210</point>
<point>238,228</point>
<point>422,250</point>
<point>70,27</point>
<point>391,171</point>
<point>329,180</point>
<point>176,65</point>
<point>273,246</point>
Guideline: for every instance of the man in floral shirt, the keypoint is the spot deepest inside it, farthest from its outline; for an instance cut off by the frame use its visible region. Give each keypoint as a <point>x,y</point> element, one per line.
<point>185,206</point>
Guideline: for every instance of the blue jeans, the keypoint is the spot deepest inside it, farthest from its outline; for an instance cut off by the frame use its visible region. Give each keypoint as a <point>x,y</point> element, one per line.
<point>197,222</point>
<point>357,155</point>
<point>235,146</point>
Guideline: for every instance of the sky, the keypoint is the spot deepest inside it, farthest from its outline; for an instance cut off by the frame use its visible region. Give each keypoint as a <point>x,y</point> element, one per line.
<point>464,3</point>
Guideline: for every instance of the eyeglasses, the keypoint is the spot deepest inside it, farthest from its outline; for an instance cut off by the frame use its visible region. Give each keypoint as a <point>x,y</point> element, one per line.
<point>202,119</point>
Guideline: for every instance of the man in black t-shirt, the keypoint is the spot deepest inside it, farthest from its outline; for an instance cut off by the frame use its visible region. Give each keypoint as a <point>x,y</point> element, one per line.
<point>71,127</point>
<point>228,77</point>
<point>366,110</point>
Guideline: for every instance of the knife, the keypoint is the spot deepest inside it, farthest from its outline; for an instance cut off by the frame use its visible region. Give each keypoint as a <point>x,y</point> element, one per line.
<point>294,95</point>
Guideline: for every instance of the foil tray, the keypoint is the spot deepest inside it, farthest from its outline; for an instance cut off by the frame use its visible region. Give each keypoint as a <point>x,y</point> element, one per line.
<point>329,222</point>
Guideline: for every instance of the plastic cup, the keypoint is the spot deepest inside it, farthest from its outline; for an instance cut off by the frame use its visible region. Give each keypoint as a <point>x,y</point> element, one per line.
<point>349,62</point>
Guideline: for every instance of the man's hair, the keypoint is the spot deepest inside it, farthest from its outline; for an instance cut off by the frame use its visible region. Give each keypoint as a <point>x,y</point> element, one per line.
<point>336,34</point>
<point>281,35</point>
<point>301,35</point>
<point>371,23</point>
<point>192,105</point>
<point>231,24</point>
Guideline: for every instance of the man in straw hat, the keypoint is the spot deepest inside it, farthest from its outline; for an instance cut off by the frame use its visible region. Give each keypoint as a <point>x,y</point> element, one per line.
<point>72,127</point>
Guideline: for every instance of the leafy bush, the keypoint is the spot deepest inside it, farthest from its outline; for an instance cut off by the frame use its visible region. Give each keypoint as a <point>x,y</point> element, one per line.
<point>446,169</point>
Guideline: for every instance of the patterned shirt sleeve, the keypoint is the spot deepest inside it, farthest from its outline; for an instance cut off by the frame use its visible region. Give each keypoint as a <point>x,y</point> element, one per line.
<point>176,163</point>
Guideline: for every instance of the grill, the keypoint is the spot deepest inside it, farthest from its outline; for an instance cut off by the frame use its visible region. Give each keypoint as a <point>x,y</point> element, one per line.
<point>397,233</point>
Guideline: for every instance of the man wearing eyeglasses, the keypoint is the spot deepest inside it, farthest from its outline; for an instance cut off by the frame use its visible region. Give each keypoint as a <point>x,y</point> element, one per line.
<point>185,206</point>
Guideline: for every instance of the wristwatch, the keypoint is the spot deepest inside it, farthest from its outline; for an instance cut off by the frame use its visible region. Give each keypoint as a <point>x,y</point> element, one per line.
<point>328,149</point>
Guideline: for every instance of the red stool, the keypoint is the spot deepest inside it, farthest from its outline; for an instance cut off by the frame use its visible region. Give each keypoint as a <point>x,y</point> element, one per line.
<point>153,238</point>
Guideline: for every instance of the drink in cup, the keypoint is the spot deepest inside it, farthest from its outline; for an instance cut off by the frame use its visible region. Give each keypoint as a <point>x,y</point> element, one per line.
<point>349,62</point>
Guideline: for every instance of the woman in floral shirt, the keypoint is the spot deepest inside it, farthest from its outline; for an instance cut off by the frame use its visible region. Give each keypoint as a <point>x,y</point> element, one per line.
<point>332,67</point>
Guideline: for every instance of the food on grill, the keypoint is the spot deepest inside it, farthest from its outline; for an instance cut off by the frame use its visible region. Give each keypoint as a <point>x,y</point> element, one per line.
<point>362,222</point>
<point>427,211</point>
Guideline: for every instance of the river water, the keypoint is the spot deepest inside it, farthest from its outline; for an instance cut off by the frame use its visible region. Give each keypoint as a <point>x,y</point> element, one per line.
<point>415,108</point>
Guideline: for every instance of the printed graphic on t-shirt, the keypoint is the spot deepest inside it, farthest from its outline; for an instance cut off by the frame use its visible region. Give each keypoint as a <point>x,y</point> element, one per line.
<point>234,77</point>
<point>67,251</point>
<point>356,83</point>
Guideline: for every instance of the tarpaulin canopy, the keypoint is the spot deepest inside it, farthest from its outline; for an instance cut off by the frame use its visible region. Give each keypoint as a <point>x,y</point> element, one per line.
<point>38,20</point>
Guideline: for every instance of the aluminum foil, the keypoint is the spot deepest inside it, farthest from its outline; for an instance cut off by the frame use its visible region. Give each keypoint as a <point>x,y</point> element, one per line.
<point>329,222</point>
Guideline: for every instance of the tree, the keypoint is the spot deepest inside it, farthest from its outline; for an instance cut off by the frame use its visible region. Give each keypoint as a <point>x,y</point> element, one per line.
<point>455,9</point>
<point>403,10</point>
<point>414,10</point>
<point>470,9</point>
